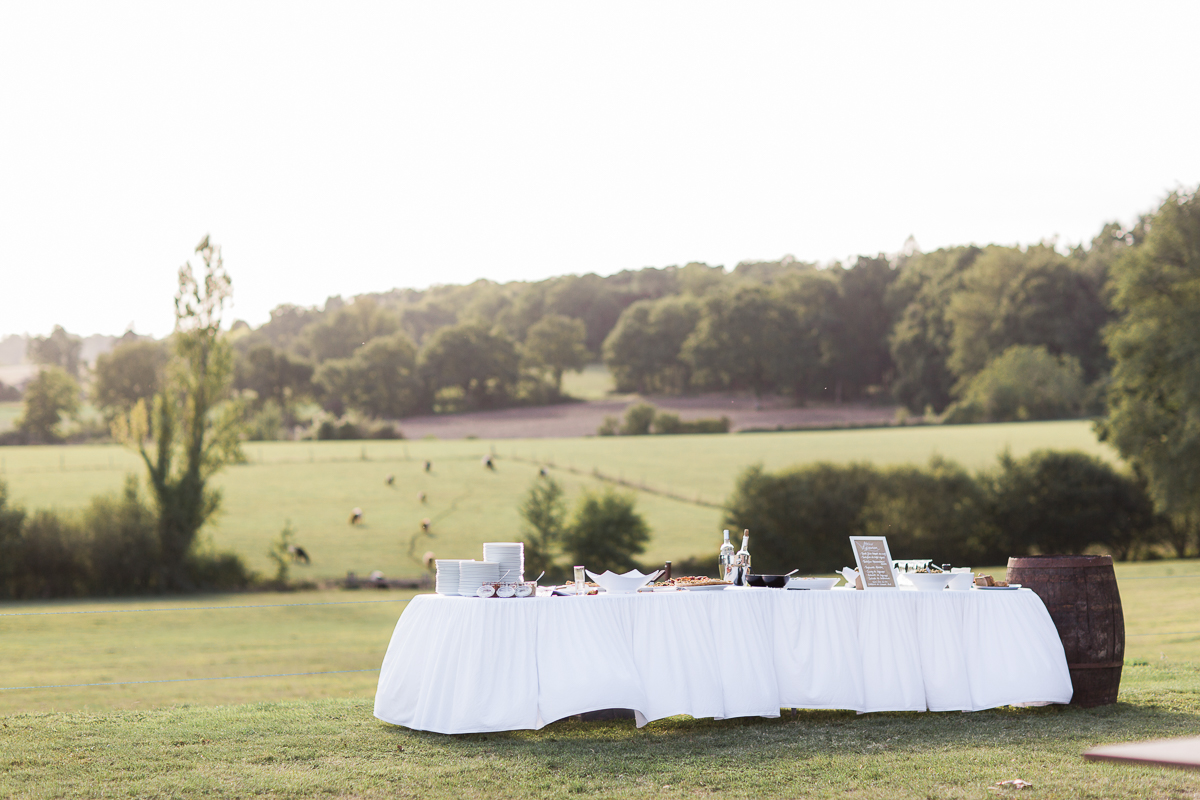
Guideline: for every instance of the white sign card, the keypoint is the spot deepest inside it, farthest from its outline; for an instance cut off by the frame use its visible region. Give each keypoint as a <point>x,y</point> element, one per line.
<point>874,562</point>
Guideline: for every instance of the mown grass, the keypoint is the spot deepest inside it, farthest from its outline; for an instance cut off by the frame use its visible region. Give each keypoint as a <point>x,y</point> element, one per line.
<point>595,382</point>
<point>335,748</point>
<point>315,484</point>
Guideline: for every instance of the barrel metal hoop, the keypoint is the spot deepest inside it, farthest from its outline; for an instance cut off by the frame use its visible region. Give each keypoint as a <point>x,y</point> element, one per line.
<point>1099,665</point>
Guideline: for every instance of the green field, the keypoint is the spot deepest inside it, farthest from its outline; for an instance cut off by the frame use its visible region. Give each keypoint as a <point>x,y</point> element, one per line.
<point>595,382</point>
<point>315,736</point>
<point>316,484</point>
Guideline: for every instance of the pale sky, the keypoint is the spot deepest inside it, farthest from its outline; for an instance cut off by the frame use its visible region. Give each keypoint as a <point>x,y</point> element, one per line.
<point>342,148</point>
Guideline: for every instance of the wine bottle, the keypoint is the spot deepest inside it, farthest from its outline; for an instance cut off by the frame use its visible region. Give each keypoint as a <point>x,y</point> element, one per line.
<point>743,557</point>
<point>725,560</point>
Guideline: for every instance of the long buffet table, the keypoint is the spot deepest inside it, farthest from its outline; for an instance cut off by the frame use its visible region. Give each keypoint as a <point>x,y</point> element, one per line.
<point>468,665</point>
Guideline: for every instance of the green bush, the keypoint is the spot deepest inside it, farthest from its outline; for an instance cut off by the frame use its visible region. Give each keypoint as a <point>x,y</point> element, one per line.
<point>606,533</point>
<point>1047,502</point>
<point>638,419</point>
<point>123,550</point>
<point>1064,502</point>
<point>1022,383</point>
<point>667,423</point>
<point>111,548</point>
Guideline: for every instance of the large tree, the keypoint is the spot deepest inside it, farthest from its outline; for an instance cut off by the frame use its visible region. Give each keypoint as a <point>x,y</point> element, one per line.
<point>747,338</point>
<point>131,372</point>
<point>1154,397</point>
<point>196,424</point>
<point>272,374</point>
<point>484,364</point>
<point>556,343</point>
<point>59,349</point>
<point>339,334</point>
<point>49,397</point>
<point>380,380</point>
<point>643,351</point>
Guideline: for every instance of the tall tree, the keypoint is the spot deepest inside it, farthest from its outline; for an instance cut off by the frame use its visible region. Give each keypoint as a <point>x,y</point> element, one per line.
<point>59,349</point>
<point>643,351</point>
<point>196,425</point>
<point>1030,297</point>
<point>920,341</point>
<point>50,396</point>
<point>380,380</point>
<point>747,338</point>
<point>1154,397</point>
<point>556,343</point>
<point>482,363</point>
<point>544,512</point>
<point>272,374</point>
<point>349,328</point>
<point>131,372</point>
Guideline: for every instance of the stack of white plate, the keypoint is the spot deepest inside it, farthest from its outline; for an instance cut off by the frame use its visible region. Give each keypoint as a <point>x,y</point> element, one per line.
<point>447,575</point>
<point>511,558</point>
<point>473,574</point>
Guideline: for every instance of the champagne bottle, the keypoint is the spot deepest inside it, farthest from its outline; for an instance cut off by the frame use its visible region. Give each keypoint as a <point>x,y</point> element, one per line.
<point>725,560</point>
<point>743,557</point>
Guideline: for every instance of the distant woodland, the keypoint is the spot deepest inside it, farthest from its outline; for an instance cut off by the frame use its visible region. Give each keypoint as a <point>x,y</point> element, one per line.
<point>961,334</point>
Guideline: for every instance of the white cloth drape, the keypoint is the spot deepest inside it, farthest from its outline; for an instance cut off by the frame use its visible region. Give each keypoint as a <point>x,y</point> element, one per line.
<point>466,665</point>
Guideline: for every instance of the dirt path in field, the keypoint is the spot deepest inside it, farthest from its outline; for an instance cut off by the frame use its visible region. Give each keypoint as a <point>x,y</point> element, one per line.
<point>583,419</point>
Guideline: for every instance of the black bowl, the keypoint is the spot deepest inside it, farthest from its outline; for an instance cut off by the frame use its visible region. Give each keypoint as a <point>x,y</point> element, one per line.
<point>770,581</point>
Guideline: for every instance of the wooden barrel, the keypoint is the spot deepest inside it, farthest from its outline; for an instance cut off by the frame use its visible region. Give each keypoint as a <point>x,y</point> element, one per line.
<point>1080,592</point>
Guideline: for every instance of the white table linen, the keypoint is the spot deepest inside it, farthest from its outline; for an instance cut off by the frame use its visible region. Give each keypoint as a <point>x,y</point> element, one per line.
<point>467,665</point>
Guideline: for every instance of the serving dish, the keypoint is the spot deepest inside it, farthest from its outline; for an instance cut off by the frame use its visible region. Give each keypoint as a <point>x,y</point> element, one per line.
<point>813,584</point>
<point>927,581</point>
<point>626,583</point>
<point>769,581</point>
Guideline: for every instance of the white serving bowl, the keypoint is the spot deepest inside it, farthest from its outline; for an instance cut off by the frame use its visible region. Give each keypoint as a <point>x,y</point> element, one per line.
<point>929,581</point>
<point>816,584</point>
<point>961,581</point>
<point>631,581</point>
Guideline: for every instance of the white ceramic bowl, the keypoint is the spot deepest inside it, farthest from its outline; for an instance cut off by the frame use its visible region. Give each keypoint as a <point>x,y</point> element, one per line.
<point>816,584</point>
<point>961,581</point>
<point>631,581</point>
<point>929,581</point>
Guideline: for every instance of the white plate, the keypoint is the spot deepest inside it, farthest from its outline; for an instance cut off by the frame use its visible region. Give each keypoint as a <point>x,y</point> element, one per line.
<point>712,587</point>
<point>999,588</point>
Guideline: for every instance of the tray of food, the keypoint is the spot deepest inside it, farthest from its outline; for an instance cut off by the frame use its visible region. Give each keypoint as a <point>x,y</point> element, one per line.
<point>699,583</point>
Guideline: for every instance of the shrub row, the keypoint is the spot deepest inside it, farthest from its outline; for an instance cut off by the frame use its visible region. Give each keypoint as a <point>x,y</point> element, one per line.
<point>1047,502</point>
<point>111,548</point>
<point>642,418</point>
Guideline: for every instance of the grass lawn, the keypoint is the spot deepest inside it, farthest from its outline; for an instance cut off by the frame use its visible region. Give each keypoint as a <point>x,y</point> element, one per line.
<point>595,382</point>
<point>315,736</point>
<point>335,748</point>
<point>315,484</point>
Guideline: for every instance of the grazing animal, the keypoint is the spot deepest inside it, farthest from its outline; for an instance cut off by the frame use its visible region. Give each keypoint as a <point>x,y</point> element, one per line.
<point>356,516</point>
<point>298,554</point>
<point>391,479</point>
<point>487,462</point>
<point>378,579</point>
<point>543,472</point>
<point>428,559</point>
<point>421,496</point>
<point>428,466</point>
<point>425,523</point>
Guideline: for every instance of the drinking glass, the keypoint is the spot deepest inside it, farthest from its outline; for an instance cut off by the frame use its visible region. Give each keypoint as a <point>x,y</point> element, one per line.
<point>579,576</point>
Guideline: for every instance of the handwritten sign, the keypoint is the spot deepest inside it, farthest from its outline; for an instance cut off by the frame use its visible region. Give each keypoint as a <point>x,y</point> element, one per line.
<point>874,561</point>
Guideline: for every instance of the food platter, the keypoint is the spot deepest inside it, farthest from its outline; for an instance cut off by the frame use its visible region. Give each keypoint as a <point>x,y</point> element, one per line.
<point>1010,587</point>
<point>706,587</point>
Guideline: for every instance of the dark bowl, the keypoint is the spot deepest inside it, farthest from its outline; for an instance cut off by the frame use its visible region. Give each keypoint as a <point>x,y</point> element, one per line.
<point>770,581</point>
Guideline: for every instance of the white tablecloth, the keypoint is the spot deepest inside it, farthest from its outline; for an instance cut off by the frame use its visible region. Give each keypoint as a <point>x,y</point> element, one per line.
<point>466,665</point>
